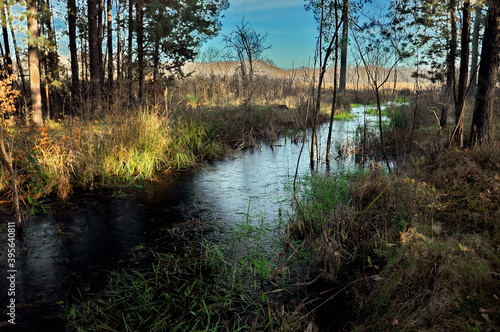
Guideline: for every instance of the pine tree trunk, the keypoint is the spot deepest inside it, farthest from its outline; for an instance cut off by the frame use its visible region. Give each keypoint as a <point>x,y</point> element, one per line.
<point>140,51</point>
<point>94,56</point>
<point>475,49</point>
<point>6,44</point>
<point>481,129</point>
<point>34,64</point>
<point>130,48</point>
<point>119,67</point>
<point>75,80</point>
<point>449,91</point>
<point>464,73</point>
<point>16,52</point>
<point>110,45</point>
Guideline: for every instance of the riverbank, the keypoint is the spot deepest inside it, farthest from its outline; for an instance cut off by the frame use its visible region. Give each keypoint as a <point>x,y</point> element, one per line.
<point>54,160</point>
<point>417,250</point>
<point>364,250</point>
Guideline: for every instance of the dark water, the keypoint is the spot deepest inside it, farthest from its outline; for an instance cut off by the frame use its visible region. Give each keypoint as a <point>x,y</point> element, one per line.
<point>74,245</point>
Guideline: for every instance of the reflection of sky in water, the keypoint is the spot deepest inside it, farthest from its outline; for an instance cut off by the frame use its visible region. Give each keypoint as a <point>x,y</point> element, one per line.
<point>256,180</point>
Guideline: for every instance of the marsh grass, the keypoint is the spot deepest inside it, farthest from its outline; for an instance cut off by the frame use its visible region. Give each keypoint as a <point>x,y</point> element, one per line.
<point>237,284</point>
<point>68,154</point>
<point>203,286</point>
<point>187,291</point>
<point>414,251</point>
<point>130,147</point>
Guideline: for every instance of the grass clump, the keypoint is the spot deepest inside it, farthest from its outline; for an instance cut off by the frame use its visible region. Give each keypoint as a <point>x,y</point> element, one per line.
<point>231,286</point>
<point>178,293</point>
<point>344,116</point>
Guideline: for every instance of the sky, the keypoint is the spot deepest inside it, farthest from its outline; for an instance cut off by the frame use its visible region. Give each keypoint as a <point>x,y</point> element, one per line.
<point>291,31</point>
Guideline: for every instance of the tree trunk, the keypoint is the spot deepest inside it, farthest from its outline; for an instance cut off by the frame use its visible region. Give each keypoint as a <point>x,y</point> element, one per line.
<point>16,52</point>
<point>6,44</point>
<point>475,49</point>
<point>449,91</point>
<point>464,73</point>
<point>100,33</point>
<point>75,79</point>
<point>119,68</point>
<point>110,45</point>
<point>481,129</point>
<point>94,56</point>
<point>34,64</point>
<point>140,51</point>
<point>130,48</point>
<point>156,60</point>
<point>343,47</point>
<point>52,56</point>
<point>334,101</point>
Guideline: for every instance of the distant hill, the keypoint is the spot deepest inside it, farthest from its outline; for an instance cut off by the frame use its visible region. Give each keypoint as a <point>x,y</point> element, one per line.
<point>356,77</point>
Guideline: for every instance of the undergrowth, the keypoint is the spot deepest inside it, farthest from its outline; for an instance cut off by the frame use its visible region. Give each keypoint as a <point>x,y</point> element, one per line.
<point>413,251</point>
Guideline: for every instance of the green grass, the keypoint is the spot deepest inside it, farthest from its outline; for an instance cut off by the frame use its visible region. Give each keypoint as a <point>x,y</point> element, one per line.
<point>201,287</point>
<point>344,116</point>
<point>374,111</point>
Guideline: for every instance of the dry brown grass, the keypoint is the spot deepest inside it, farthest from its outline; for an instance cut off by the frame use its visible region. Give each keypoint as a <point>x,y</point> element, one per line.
<point>414,251</point>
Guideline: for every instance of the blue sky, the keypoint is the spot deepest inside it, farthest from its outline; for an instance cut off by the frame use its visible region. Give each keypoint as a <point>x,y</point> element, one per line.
<point>291,31</point>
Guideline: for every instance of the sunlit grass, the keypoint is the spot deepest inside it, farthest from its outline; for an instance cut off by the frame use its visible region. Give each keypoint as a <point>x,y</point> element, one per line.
<point>63,155</point>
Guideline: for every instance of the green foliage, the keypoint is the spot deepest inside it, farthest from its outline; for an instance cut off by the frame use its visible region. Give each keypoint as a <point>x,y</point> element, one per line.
<point>374,111</point>
<point>176,30</point>
<point>398,117</point>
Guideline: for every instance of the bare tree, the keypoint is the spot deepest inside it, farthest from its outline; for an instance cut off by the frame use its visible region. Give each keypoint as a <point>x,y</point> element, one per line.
<point>343,47</point>
<point>247,46</point>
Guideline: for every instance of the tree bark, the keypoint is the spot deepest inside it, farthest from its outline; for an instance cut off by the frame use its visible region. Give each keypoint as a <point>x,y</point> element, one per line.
<point>34,64</point>
<point>100,34</point>
<point>75,79</point>
<point>464,73</point>
<point>343,47</point>
<point>94,56</point>
<point>110,45</point>
<point>140,50</point>
<point>475,49</point>
<point>449,91</point>
<point>481,129</point>
<point>130,48</point>
<point>119,68</point>
<point>6,44</point>
<point>16,52</point>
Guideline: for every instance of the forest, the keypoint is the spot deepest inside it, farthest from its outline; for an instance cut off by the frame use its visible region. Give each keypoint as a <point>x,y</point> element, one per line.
<point>393,225</point>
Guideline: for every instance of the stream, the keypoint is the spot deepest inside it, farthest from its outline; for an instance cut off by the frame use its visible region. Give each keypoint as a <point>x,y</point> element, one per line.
<point>74,245</point>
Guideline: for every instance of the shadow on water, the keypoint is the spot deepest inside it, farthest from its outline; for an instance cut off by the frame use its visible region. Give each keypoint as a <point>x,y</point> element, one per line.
<point>73,247</point>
